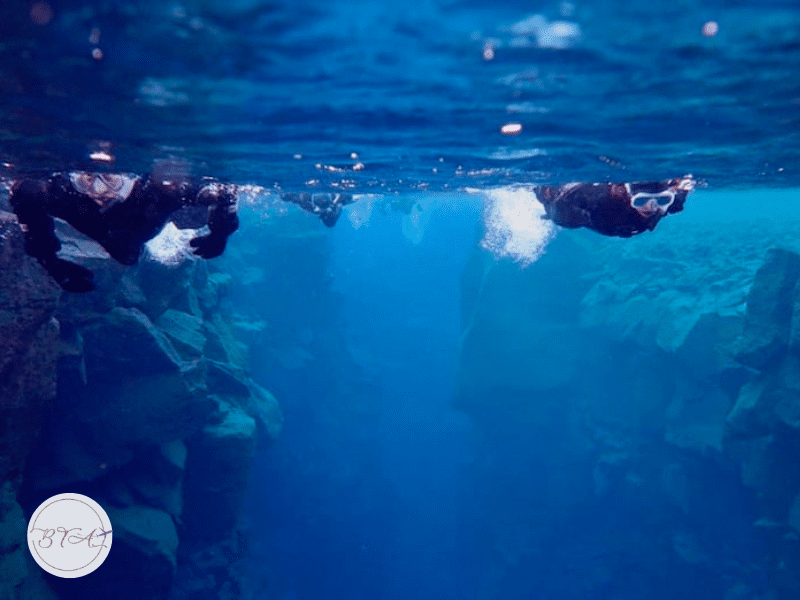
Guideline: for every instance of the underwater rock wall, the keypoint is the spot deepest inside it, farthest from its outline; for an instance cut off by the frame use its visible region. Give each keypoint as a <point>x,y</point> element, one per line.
<point>29,336</point>
<point>656,389</point>
<point>139,396</point>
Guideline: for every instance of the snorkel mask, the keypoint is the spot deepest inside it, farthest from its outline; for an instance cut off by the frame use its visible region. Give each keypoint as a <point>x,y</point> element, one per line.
<point>106,189</point>
<point>658,202</point>
<point>648,204</point>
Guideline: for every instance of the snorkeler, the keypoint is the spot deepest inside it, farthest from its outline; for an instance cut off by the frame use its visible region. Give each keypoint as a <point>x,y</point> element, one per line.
<point>326,206</point>
<point>122,212</point>
<point>614,209</point>
<point>119,211</point>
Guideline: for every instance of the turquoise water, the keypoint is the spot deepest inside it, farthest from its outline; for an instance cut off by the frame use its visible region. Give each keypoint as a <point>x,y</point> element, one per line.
<point>476,404</point>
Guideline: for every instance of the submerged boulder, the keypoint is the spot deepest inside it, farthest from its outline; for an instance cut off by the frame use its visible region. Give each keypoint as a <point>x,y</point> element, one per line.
<point>695,418</point>
<point>770,468</point>
<point>185,331</point>
<point>708,349</point>
<point>227,380</point>
<point>752,413</point>
<point>155,477</point>
<point>267,412</point>
<point>222,345</point>
<point>28,347</point>
<point>70,458</point>
<point>160,398</point>
<point>125,341</point>
<point>217,474</point>
<point>148,530</point>
<point>12,522</point>
<point>13,543</point>
<point>82,250</point>
<point>768,400</point>
<point>165,279</point>
<point>768,318</point>
<point>143,561</point>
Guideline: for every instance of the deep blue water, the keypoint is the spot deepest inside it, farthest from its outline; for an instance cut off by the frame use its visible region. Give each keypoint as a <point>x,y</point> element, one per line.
<point>383,473</point>
<point>393,478</point>
<point>381,487</point>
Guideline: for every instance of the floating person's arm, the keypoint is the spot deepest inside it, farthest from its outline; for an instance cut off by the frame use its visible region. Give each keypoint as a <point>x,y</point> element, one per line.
<point>614,209</point>
<point>32,201</point>
<point>327,206</point>
<point>222,219</point>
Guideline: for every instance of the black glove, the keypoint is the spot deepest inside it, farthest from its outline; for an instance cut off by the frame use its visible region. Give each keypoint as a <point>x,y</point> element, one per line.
<point>209,246</point>
<point>71,277</point>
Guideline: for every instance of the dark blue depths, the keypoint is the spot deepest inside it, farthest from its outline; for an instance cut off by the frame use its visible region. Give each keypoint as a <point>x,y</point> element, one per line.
<point>379,488</point>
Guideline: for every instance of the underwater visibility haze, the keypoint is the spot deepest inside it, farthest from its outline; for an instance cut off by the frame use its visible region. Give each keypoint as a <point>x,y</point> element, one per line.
<point>453,384</point>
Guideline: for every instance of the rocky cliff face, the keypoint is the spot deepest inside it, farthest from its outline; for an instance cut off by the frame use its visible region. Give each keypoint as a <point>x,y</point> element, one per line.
<point>29,335</point>
<point>136,395</point>
<point>644,372</point>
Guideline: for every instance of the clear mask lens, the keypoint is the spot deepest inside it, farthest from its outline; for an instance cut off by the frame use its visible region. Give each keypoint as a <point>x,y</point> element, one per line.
<point>662,200</point>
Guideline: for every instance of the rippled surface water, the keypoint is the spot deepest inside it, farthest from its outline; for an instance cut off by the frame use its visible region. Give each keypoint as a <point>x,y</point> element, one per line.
<point>382,96</point>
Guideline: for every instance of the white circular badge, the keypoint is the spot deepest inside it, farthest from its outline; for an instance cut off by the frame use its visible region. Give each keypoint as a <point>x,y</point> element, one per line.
<point>69,535</point>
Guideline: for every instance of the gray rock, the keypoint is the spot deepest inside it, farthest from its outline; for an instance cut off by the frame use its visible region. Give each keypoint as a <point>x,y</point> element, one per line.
<point>753,413</point>
<point>217,473</point>
<point>164,283</point>
<point>767,400</point>
<point>709,347</point>
<point>70,458</point>
<point>125,341</point>
<point>117,491</point>
<point>188,301</point>
<point>787,392</point>
<point>150,531</point>
<point>28,348</point>
<point>222,344</point>
<point>770,468</point>
<point>225,380</point>
<point>185,331</point>
<point>174,454</point>
<point>267,412</point>
<point>129,292</point>
<point>755,458</point>
<point>149,409</point>
<point>768,318</point>
<point>215,285</point>
<point>108,273</point>
<point>695,419</point>
<point>160,399</point>
<point>156,476</point>
<point>142,562</point>
<point>12,522</point>
<point>13,572</point>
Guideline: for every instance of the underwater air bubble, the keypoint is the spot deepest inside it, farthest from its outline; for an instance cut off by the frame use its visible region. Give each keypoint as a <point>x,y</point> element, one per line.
<point>171,246</point>
<point>359,212</point>
<point>514,227</point>
<point>415,223</point>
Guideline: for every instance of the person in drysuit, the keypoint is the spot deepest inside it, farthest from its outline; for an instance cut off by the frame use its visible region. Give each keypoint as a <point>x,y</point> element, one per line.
<point>122,212</point>
<point>614,209</point>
